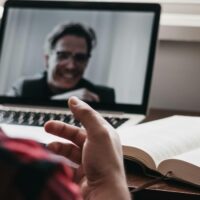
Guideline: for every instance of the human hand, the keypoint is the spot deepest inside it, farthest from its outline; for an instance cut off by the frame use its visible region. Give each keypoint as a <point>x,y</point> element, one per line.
<point>87,95</point>
<point>97,149</point>
<point>81,93</point>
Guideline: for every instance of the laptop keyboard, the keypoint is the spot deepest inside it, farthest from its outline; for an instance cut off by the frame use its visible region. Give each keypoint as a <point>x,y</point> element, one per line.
<point>39,118</point>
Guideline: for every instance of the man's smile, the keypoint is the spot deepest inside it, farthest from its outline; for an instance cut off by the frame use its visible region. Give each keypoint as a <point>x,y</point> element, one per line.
<point>68,75</point>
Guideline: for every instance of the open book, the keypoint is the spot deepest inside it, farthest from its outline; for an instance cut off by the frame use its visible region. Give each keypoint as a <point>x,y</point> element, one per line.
<point>167,145</point>
<point>170,146</point>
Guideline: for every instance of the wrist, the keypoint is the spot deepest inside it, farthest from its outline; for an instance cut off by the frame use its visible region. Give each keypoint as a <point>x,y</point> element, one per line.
<point>112,188</point>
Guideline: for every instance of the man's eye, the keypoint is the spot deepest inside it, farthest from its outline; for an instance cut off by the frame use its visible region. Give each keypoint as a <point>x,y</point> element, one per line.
<point>81,57</point>
<point>63,55</point>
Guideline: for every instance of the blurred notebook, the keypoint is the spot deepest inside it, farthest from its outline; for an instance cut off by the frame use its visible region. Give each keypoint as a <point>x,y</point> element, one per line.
<point>121,62</point>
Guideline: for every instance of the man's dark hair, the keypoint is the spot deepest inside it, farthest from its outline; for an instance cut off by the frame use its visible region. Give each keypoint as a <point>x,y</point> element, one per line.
<point>76,29</point>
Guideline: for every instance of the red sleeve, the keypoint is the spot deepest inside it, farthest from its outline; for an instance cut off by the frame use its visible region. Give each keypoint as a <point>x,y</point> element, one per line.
<point>28,171</point>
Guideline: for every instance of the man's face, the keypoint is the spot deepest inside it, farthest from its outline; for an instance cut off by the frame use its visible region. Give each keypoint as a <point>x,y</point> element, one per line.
<point>67,62</point>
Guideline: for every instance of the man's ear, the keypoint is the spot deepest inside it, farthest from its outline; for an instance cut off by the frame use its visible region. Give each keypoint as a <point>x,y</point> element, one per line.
<point>46,59</point>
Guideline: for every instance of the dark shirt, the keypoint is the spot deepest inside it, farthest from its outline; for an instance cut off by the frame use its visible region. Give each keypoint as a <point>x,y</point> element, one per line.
<point>37,87</point>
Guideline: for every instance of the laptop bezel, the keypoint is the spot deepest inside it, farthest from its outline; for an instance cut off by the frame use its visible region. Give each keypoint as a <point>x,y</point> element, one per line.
<point>116,6</point>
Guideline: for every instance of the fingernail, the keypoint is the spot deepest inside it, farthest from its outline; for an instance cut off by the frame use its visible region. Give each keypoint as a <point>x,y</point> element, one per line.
<point>74,101</point>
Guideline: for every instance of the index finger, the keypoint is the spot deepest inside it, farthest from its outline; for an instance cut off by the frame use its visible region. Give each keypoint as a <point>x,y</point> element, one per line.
<point>69,132</point>
<point>93,122</point>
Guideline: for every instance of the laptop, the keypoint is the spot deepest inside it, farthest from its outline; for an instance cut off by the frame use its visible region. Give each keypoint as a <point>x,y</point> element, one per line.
<point>120,63</point>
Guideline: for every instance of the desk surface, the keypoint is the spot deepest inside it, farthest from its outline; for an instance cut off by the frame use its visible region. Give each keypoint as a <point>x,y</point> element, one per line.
<point>165,190</point>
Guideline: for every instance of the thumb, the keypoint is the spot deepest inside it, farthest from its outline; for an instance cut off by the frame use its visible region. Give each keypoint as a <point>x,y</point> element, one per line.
<point>92,121</point>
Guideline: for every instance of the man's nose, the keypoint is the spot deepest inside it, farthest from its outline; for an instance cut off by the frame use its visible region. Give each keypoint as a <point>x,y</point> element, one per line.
<point>70,64</point>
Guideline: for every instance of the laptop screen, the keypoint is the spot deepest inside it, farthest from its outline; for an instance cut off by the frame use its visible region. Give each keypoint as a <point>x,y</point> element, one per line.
<point>100,52</point>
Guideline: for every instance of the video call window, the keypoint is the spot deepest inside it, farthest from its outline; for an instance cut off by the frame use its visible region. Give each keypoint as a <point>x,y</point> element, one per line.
<point>116,62</point>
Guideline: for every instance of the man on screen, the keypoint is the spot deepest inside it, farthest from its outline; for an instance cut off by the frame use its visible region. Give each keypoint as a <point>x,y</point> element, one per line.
<point>68,50</point>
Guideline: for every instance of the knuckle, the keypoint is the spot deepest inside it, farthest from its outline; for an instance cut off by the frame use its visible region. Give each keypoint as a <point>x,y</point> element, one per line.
<point>86,111</point>
<point>104,131</point>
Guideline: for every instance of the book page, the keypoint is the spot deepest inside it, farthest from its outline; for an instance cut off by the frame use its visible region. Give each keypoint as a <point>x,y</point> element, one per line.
<point>165,138</point>
<point>192,157</point>
<point>31,132</point>
<point>185,166</point>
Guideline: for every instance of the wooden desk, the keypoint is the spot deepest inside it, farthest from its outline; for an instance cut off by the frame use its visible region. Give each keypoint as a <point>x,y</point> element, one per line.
<point>165,190</point>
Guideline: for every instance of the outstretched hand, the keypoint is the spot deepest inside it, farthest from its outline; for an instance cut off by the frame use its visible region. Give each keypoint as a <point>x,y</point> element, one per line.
<point>97,149</point>
<point>81,93</point>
